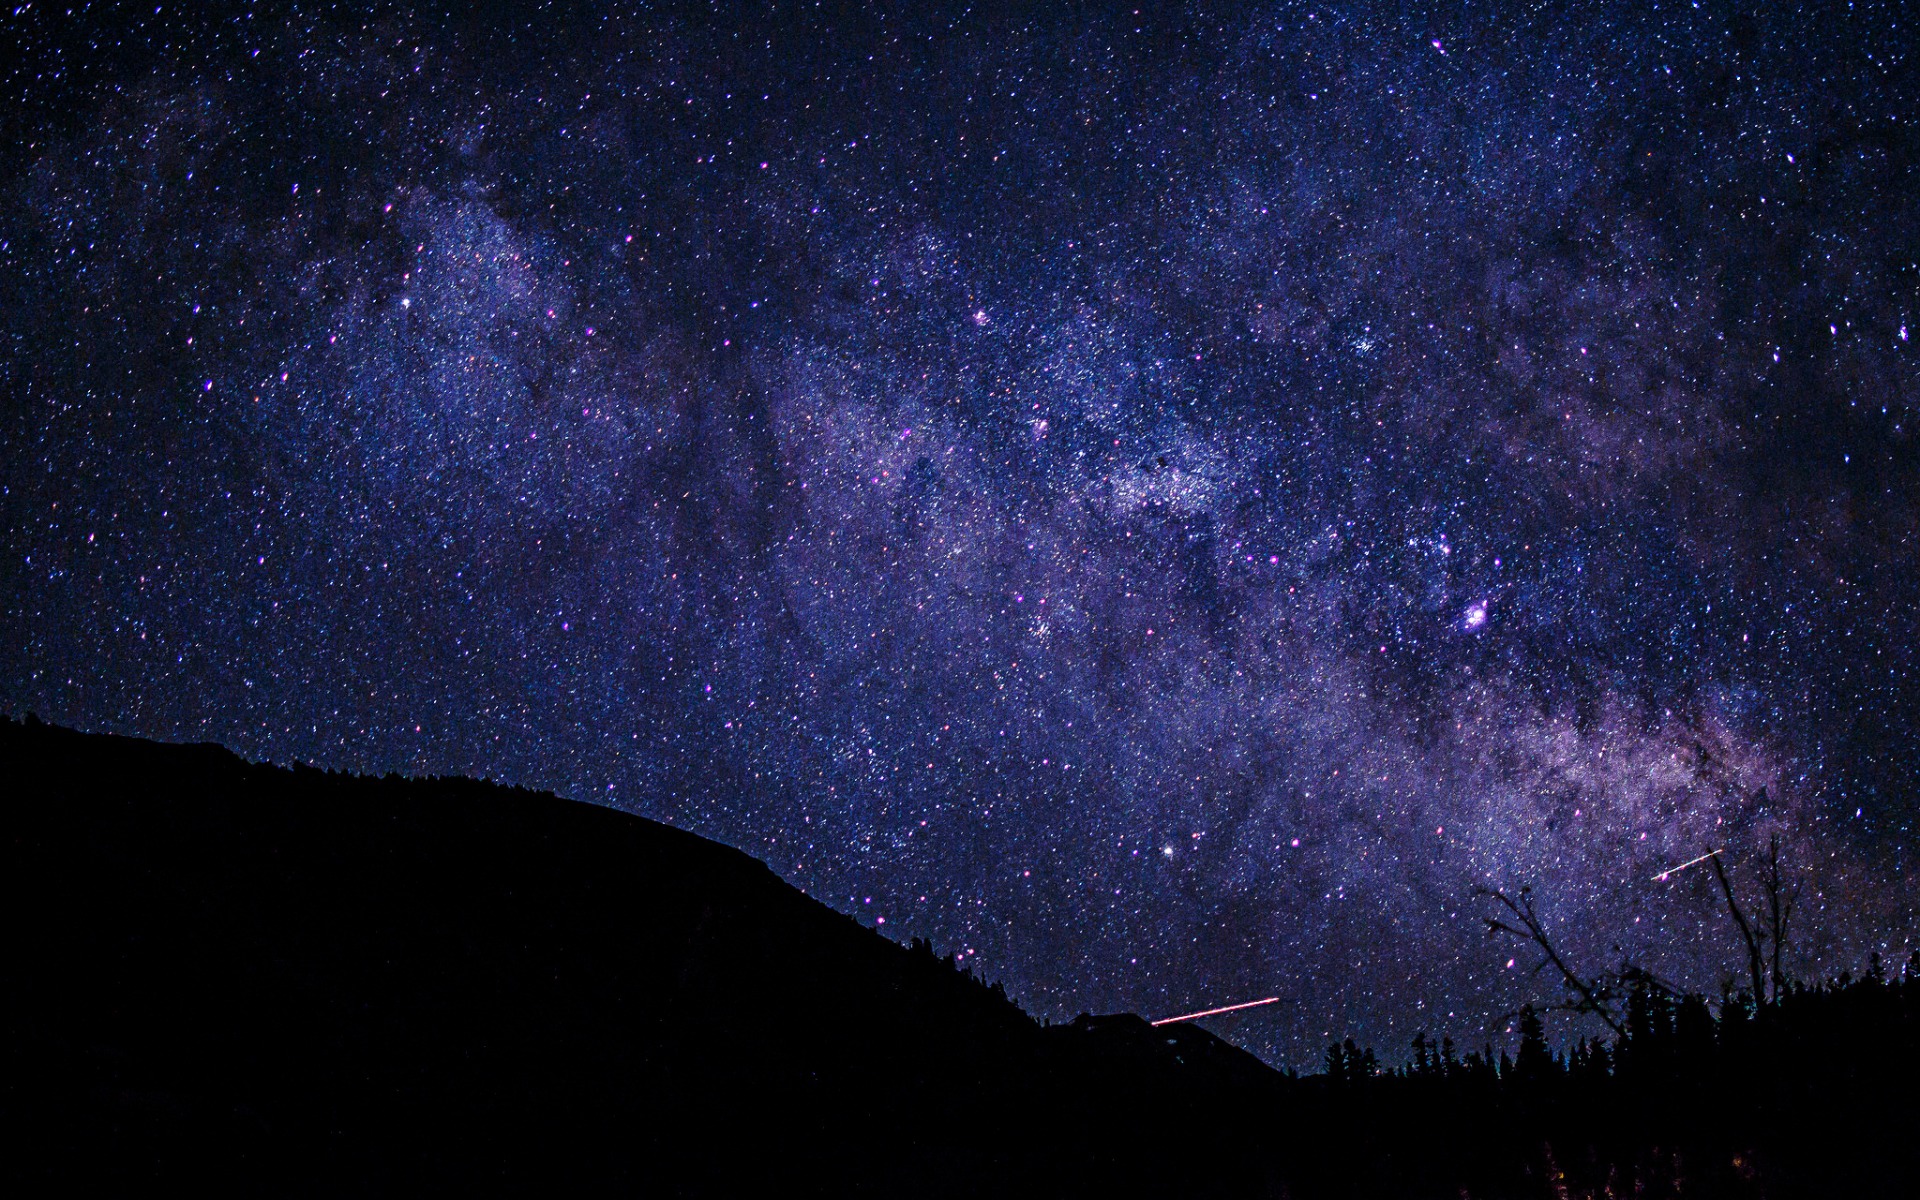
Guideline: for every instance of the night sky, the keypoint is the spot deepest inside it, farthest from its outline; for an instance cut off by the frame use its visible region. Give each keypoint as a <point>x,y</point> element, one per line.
<point>1162,506</point>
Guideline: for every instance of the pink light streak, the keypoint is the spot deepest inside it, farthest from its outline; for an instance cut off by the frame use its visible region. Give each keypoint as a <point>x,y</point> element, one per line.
<point>1663,876</point>
<point>1214,1012</point>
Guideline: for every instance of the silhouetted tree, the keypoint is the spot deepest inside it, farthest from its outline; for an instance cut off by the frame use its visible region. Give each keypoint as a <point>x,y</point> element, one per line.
<point>1589,1062</point>
<point>1535,1063</point>
<point>1337,1061</point>
<point>1423,1059</point>
<point>1763,936</point>
<point>1350,1064</point>
<point>1748,937</point>
<point>1781,899</point>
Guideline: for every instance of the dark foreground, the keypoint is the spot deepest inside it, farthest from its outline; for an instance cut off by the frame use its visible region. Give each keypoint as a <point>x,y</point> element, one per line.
<point>229,976</point>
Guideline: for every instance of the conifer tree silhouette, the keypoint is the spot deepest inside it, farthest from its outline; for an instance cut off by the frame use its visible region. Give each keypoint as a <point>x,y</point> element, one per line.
<point>1337,1062</point>
<point>1426,1056</point>
<point>1535,1063</point>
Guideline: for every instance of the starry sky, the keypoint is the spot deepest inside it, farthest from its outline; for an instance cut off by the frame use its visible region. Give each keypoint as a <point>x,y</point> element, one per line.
<point>1162,504</point>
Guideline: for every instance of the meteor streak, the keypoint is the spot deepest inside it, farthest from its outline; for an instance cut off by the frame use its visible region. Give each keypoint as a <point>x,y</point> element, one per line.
<point>1211,1012</point>
<point>1692,862</point>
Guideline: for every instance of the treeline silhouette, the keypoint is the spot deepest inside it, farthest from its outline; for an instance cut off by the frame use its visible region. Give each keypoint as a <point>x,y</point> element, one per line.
<point>237,977</point>
<point>1813,1092</point>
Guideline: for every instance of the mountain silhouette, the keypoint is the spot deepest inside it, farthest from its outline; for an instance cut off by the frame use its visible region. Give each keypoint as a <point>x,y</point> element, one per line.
<point>229,976</point>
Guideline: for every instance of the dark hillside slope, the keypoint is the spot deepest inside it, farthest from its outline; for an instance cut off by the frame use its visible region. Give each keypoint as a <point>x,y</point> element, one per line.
<point>297,981</point>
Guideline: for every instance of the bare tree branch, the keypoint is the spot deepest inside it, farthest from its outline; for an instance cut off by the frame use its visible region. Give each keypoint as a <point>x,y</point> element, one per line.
<point>1589,996</point>
<point>1640,977</point>
<point>1780,902</point>
<point>1747,935</point>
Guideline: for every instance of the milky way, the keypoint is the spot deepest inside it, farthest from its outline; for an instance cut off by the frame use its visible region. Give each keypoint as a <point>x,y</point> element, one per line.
<point>1164,509</point>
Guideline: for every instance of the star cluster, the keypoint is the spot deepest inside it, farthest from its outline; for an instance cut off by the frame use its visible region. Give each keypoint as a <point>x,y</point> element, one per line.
<point>1165,507</point>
